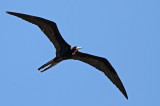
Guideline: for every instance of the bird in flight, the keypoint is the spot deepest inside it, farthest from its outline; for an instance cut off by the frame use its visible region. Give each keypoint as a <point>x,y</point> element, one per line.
<point>64,51</point>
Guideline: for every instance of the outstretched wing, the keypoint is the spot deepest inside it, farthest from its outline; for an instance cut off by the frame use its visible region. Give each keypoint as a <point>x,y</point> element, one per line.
<point>103,65</point>
<point>48,27</point>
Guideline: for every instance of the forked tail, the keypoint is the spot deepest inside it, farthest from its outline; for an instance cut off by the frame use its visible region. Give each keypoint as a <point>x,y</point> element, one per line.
<point>51,63</point>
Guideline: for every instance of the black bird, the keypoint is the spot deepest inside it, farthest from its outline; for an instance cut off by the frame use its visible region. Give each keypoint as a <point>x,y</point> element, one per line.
<point>65,51</point>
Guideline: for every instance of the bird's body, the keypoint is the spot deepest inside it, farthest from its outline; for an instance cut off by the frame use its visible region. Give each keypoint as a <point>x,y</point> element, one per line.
<point>65,51</point>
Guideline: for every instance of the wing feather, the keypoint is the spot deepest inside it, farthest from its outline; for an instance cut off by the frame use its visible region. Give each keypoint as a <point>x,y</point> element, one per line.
<point>49,28</point>
<point>103,65</point>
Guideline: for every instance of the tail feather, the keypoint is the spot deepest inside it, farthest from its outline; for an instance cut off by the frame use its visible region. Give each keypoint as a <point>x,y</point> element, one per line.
<point>51,63</point>
<point>48,63</point>
<point>49,67</point>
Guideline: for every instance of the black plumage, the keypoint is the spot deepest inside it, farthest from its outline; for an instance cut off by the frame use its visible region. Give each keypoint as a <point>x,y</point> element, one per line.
<point>65,51</point>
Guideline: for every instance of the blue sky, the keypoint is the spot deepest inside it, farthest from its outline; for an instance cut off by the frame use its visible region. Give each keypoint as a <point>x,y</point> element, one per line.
<point>126,32</point>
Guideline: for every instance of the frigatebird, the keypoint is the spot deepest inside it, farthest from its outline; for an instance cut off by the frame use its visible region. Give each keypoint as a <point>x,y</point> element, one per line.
<point>64,51</point>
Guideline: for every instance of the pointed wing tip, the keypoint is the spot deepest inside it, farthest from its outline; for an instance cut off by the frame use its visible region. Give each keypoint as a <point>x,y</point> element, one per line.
<point>125,94</point>
<point>12,13</point>
<point>120,86</point>
<point>127,97</point>
<point>9,12</point>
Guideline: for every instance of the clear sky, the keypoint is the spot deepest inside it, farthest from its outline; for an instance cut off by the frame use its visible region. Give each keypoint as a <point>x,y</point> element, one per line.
<point>126,32</point>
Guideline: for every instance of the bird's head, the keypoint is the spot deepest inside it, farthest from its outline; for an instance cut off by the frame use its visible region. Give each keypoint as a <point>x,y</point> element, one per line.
<point>74,49</point>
